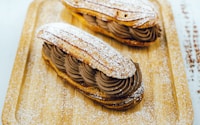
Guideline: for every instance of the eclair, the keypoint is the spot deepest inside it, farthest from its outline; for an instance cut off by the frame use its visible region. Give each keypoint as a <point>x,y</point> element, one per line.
<point>91,66</point>
<point>132,22</point>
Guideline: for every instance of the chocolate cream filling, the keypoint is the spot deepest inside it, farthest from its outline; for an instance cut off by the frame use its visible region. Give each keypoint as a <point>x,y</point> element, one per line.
<point>125,32</point>
<point>89,77</point>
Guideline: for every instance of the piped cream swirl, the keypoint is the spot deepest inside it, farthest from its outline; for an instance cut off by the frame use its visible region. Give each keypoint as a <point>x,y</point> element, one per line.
<point>57,57</point>
<point>87,73</point>
<point>126,32</point>
<point>87,76</point>
<point>72,68</point>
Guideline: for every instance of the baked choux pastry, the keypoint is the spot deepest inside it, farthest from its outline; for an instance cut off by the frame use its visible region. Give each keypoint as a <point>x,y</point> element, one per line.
<point>92,66</point>
<point>132,22</point>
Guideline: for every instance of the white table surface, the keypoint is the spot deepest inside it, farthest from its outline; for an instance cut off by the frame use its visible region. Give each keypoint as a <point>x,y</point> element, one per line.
<point>12,16</point>
<point>186,12</point>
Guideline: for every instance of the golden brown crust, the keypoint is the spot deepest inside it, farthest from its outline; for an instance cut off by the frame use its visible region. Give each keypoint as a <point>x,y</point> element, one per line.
<point>135,13</point>
<point>31,99</point>
<point>100,97</point>
<point>88,49</point>
<point>100,56</point>
<point>103,31</point>
<point>136,19</point>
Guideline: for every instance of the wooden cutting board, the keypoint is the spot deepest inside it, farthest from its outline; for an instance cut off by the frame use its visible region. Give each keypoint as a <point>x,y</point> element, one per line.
<point>36,95</point>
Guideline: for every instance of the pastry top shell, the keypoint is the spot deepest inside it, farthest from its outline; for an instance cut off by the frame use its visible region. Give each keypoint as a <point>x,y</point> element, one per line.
<point>87,49</point>
<point>138,12</point>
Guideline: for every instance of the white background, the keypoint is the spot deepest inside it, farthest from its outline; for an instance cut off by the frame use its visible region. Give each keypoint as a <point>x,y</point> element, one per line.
<point>12,16</point>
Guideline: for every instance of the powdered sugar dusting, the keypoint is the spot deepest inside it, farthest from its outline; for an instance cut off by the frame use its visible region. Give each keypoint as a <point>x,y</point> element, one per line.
<point>88,49</point>
<point>139,11</point>
<point>41,97</point>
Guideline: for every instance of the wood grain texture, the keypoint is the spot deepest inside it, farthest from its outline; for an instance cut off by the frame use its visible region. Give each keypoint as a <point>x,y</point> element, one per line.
<point>36,95</point>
